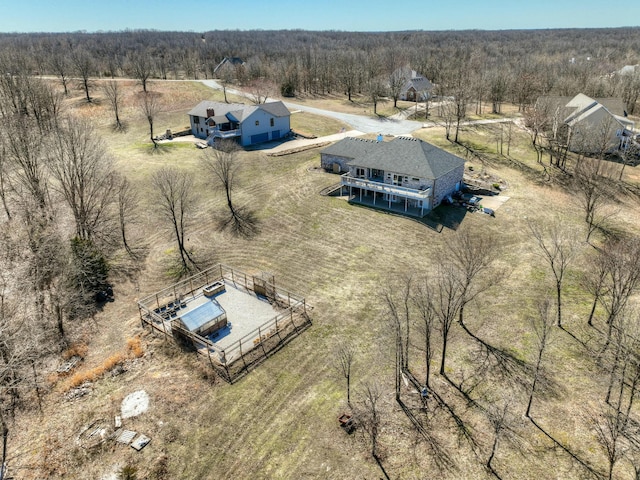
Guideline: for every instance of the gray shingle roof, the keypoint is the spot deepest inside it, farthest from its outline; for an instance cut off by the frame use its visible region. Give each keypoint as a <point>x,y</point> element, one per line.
<point>407,156</point>
<point>277,109</point>
<point>238,110</point>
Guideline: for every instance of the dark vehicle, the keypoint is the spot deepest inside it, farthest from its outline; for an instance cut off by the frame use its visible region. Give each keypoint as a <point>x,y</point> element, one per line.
<point>488,211</point>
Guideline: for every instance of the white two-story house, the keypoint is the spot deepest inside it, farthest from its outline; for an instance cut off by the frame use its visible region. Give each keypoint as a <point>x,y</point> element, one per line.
<point>404,175</point>
<point>248,124</point>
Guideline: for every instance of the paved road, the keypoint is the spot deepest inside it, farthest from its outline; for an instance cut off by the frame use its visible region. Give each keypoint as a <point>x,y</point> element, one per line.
<point>362,123</point>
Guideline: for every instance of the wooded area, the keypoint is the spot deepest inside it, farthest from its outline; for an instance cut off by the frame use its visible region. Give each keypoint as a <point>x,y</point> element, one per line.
<point>475,318</point>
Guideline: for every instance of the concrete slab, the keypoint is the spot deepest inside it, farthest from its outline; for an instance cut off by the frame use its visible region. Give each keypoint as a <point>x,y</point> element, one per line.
<point>494,202</point>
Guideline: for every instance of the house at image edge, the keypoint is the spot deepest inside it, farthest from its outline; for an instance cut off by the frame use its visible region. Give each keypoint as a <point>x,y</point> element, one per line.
<point>404,175</point>
<point>248,124</point>
<point>581,122</point>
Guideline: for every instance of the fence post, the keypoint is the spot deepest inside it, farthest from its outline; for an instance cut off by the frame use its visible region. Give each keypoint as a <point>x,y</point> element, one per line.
<point>278,329</point>
<point>242,354</point>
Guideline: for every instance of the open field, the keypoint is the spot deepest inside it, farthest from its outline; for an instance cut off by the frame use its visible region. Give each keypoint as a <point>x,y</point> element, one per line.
<point>280,421</point>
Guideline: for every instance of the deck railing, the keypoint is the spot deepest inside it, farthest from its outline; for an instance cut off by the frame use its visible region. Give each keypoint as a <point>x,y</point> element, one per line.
<point>372,185</point>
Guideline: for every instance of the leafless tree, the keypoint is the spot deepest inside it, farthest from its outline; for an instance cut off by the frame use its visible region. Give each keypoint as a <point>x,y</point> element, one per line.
<point>25,154</point>
<point>609,425</point>
<point>141,68</point>
<point>221,162</point>
<point>127,201</point>
<point>176,201</point>
<point>85,177</point>
<point>368,414</point>
<point>4,179</point>
<point>498,415</point>
<point>377,90</point>
<point>115,95</point>
<point>542,325</point>
<point>558,247</point>
<point>622,281</point>
<point>399,316</point>
<point>397,80</point>
<point>345,354</point>
<point>471,257</point>
<point>260,90</point>
<point>84,67</point>
<point>59,62</point>
<point>150,106</point>
<point>592,194</point>
<point>426,321</point>
<point>594,281</point>
<point>447,299</point>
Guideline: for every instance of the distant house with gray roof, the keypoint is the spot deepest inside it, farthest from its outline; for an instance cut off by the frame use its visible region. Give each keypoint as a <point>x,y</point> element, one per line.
<point>417,87</point>
<point>247,124</point>
<point>588,125</point>
<point>404,175</point>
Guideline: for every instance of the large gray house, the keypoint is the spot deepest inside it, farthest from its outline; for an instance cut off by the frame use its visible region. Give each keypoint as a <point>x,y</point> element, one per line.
<point>248,124</point>
<point>404,175</point>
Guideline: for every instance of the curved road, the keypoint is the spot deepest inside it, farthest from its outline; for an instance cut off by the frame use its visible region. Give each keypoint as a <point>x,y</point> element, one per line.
<point>362,123</point>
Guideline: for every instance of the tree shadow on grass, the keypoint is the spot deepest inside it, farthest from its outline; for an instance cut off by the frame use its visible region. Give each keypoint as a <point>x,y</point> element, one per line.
<point>241,223</point>
<point>574,457</point>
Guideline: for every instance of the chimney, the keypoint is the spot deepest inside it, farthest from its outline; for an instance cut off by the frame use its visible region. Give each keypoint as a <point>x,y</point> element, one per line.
<point>210,112</point>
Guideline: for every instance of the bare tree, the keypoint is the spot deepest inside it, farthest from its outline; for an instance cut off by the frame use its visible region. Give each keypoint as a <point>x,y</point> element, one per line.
<point>541,324</point>
<point>127,200</point>
<point>558,247</point>
<point>622,280</point>
<point>115,95</point>
<point>260,90</point>
<point>426,319</point>
<point>150,106</point>
<point>397,80</point>
<point>592,194</point>
<point>175,196</point>
<point>471,256</point>
<point>399,315</point>
<point>368,414</point>
<point>447,299</point>
<point>344,355</point>
<point>610,426</point>
<point>222,164</point>
<point>59,63</point>
<point>84,67</point>
<point>85,177</point>
<point>141,68</point>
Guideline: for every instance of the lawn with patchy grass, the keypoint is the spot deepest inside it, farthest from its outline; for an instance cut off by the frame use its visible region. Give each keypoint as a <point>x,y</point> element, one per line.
<point>280,421</point>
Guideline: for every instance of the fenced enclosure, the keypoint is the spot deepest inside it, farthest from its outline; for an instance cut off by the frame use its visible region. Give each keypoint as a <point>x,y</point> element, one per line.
<point>230,359</point>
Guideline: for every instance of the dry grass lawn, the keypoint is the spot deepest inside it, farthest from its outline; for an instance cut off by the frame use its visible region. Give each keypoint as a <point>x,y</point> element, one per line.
<point>280,421</point>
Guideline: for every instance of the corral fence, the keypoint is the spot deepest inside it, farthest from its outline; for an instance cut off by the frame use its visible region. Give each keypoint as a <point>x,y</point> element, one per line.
<point>235,360</point>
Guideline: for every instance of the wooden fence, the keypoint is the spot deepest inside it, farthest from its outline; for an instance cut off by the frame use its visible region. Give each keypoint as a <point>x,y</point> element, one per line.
<point>235,360</point>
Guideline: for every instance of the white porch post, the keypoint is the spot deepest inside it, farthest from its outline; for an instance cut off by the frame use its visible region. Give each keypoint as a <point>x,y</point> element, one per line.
<point>406,203</point>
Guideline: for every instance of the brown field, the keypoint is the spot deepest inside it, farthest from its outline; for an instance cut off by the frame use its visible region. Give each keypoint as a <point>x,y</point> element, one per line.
<point>280,421</point>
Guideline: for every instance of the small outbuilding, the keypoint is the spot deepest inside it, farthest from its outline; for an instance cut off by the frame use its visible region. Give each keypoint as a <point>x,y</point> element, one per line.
<point>204,319</point>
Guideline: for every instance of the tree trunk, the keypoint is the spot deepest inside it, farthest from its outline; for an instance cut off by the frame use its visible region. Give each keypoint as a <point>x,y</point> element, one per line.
<point>444,354</point>
<point>559,293</point>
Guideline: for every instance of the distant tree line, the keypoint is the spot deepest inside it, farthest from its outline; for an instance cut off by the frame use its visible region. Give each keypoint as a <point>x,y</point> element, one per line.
<point>474,66</point>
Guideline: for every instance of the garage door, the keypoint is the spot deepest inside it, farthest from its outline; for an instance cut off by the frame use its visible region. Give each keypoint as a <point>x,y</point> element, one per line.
<point>259,138</point>
<point>275,135</point>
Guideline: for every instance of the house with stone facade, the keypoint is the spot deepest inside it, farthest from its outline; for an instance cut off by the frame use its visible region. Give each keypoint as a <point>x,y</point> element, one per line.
<point>247,124</point>
<point>404,175</point>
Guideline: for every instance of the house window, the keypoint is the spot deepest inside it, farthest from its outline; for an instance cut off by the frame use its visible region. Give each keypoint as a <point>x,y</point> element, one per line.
<point>273,122</point>
<point>377,173</point>
<point>359,172</point>
<point>257,122</point>
<point>415,179</point>
<point>196,119</point>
